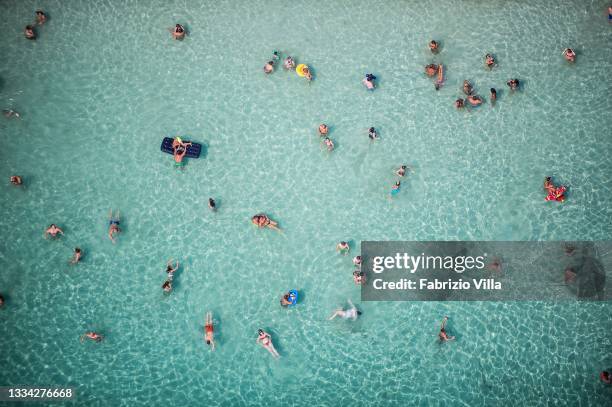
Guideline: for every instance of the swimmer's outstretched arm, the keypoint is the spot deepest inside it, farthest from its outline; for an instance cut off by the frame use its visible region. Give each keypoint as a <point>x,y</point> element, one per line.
<point>351,304</point>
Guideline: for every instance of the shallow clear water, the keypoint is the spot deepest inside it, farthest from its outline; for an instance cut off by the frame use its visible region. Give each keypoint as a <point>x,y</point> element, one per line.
<point>104,83</point>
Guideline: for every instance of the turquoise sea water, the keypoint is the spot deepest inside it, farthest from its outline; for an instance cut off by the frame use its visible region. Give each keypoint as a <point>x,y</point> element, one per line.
<point>104,83</point>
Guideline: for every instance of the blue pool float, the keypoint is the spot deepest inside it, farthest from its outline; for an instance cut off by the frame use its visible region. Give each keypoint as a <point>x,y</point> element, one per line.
<point>293,297</point>
<point>193,151</point>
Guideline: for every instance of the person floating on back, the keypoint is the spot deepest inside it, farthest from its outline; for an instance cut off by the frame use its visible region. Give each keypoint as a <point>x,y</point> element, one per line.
<point>261,220</point>
<point>179,150</point>
<point>265,340</point>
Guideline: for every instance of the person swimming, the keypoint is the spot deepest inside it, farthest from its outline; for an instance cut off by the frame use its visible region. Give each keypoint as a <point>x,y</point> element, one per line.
<point>513,84</point>
<point>493,96</point>
<point>29,32</point>
<point>357,261</point>
<point>10,113</point>
<point>261,221</point>
<point>212,205</point>
<point>401,171</point>
<point>372,134</point>
<point>170,269</point>
<point>440,79</point>
<point>459,103</point>
<point>76,256</point>
<point>489,61</point>
<point>430,70</point>
<point>474,100</point>
<point>178,32</point>
<point>343,248</point>
<point>350,313</point>
<point>94,336</point>
<point>442,335</point>
<point>113,226</point>
<point>467,87</point>
<point>323,129</point>
<point>289,63</point>
<point>368,81</point>
<point>328,143</point>
<point>265,340</point>
<point>16,180</point>
<point>395,188</point>
<point>269,67</point>
<point>53,231</point>
<point>434,46</point>
<point>209,331</point>
<point>569,55</point>
<point>179,149</point>
<point>606,377</point>
<point>41,17</point>
<point>275,55</point>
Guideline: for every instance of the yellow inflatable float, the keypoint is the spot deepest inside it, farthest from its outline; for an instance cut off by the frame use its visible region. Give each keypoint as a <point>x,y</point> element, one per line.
<point>301,70</point>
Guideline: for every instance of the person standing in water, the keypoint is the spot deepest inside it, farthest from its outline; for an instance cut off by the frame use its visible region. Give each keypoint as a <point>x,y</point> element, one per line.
<point>41,17</point>
<point>212,205</point>
<point>53,231</point>
<point>350,313</point>
<point>178,32</point>
<point>265,340</point>
<point>209,331</point>
<point>323,129</point>
<point>76,257</point>
<point>16,180</point>
<point>343,248</point>
<point>113,225</point>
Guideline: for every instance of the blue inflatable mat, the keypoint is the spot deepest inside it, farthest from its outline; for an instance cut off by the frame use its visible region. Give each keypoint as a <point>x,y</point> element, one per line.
<point>193,151</point>
<point>295,297</point>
